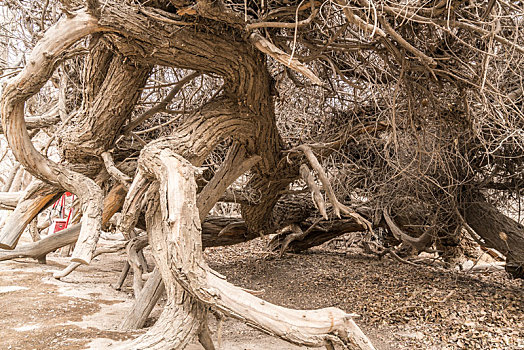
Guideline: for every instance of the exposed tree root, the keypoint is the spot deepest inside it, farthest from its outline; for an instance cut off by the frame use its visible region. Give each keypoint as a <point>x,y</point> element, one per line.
<point>72,266</point>
<point>136,260</point>
<point>174,229</point>
<point>145,302</point>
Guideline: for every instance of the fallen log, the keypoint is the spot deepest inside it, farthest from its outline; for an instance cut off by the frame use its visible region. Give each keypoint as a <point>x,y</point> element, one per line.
<point>43,246</point>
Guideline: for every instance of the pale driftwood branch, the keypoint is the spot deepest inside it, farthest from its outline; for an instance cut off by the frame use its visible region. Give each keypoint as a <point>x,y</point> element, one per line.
<point>73,265</point>
<point>17,181</point>
<point>33,230</point>
<point>487,267</point>
<point>420,243</point>
<point>306,175</point>
<point>297,234</point>
<point>37,196</point>
<point>204,336</point>
<point>271,50</point>
<point>11,177</point>
<point>133,248</point>
<point>322,176</point>
<point>114,171</point>
<point>9,200</point>
<point>44,246</point>
<point>359,22</point>
<point>122,276</point>
<point>112,203</point>
<point>62,99</point>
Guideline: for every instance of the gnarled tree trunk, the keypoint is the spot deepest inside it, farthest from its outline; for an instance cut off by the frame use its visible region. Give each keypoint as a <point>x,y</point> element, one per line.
<point>174,229</point>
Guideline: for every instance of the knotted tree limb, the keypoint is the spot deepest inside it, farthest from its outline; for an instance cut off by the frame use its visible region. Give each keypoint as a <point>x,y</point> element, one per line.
<point>209,127</point>
<point>41,64</point>
<point>114,171</point>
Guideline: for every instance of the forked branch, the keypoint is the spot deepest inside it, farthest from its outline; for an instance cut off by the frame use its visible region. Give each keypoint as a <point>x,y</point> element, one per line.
<point>337,206</point>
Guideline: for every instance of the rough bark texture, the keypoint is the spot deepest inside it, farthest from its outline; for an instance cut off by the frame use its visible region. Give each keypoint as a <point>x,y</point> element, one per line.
<point>500,232</point>
<point>174,229</point>
<point>39,69</point>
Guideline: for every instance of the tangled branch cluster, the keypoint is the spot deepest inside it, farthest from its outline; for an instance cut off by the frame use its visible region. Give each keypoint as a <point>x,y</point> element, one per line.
<point>420,107</point>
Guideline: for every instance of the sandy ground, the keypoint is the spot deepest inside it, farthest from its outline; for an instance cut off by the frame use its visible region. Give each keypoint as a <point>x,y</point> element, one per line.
<point>401,306</point>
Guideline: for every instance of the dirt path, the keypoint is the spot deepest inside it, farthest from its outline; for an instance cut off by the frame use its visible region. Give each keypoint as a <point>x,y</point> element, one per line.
<point>402,307</point>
